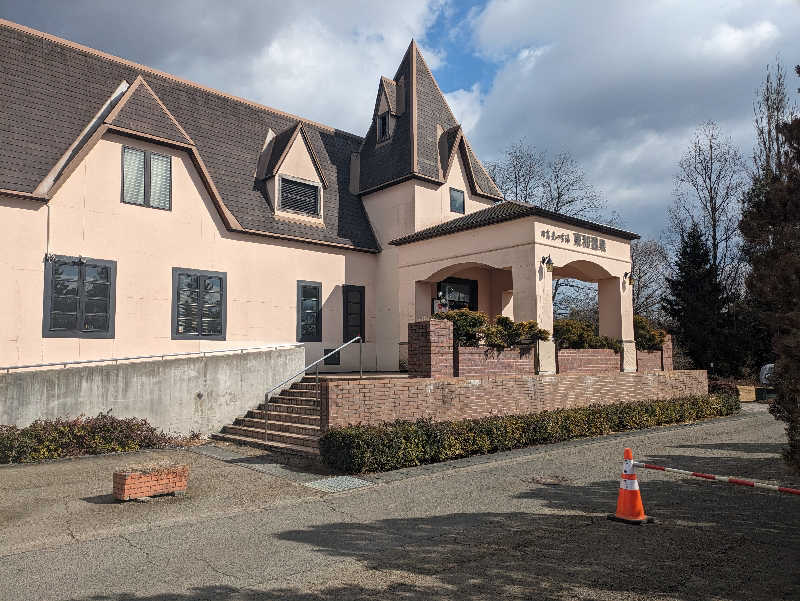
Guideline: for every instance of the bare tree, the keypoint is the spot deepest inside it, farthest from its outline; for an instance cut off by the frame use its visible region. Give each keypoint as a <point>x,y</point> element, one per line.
<point>649,261</point>
<point>566,190</point>
<point>771,108</point>
<point>711,179</point>
<point>520,173</point>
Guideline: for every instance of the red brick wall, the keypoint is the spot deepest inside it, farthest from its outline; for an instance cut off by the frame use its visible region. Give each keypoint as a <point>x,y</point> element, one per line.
<point>666,350</point>
<point>430,349</point>
<point>374,401</point>
<point>137,485</point>
<point>648,360</point>
<point>483,362</point>
<point>587,361</point>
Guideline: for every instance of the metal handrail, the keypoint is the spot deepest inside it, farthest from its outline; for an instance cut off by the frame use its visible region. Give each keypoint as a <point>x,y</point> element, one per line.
<point>316,381</point>
<point>161,356</point>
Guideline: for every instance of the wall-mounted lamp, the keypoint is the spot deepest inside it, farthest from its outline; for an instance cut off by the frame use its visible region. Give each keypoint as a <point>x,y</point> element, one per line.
<point>628,276</point>
<point>548,263</point>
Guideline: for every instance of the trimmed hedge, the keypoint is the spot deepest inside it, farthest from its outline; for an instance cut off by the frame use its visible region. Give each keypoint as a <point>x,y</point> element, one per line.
<point>53,439</point>
<point>357,449</point>
<point>577,334</point>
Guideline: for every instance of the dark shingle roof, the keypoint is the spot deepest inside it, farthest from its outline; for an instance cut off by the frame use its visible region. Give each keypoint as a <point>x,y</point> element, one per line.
<point>50,89</point>
<point>142,113</point>
<point>506,211</point>
<point>396,159</point>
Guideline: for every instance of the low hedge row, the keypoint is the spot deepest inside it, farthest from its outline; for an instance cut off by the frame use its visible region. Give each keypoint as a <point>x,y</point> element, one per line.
<point>357,449</point>
<point>56,438</point>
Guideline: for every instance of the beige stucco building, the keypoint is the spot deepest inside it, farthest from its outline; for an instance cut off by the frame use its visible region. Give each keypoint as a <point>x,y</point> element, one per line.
<point>143,214</point>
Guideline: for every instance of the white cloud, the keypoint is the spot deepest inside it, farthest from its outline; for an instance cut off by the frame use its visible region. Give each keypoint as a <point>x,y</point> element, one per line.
<point>729,42</point>
<point>528,57</point>
<point>467,106</point>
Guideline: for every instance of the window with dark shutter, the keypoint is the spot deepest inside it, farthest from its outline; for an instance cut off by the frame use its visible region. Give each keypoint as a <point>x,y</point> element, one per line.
<point>146,178</point>
<point>456,201</point>
<point>79,298</point>
<point>309,311</point>
<point>383,126</point>
<point>353,318</point>
<point>198,306</point>
<point>299,197</point>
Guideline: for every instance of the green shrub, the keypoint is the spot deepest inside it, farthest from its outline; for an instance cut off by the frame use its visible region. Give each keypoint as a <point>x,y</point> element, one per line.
<point>52,439</point>
<point>723,387</point>
<point>648,337</point>
<point>467,325</point>
<point>357,449</point>
<point>506,333</point>
<point>577,334</point>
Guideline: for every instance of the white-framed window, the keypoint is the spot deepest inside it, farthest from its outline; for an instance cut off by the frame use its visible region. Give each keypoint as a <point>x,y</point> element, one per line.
<point>146,178</point>
<point>301,197</point>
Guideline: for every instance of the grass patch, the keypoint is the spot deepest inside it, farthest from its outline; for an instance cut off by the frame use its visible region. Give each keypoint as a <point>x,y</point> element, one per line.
<point>395,445</point>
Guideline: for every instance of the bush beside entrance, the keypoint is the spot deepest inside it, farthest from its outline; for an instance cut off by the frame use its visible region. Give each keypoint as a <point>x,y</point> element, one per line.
<point>472,328</point>
<point>357,449</point>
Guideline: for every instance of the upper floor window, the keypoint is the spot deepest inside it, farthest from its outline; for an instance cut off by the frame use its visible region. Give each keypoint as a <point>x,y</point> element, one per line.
<point>383,126</point>
<point>79,298</point>
<point>146,178</point>
<point>198,304</point>
<point>299,197</point>
<point>456,201</point>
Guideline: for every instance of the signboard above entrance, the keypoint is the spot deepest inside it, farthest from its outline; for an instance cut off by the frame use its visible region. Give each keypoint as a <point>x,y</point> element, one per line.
<point>576,239</point>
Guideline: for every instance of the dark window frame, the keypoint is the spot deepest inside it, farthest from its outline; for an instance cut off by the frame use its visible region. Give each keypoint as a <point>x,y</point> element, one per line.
<point>317,336</point>
<point>176,271</point>
<point>463,201</point>
<point>473,290</point>
<point>48,298</point>
<point>147,169</point>
<point>347,336</point>
<point>317,215</point>
<point>382,126</point>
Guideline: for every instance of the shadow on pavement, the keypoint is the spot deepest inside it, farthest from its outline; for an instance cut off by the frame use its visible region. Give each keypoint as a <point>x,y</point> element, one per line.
<point>711,541</point>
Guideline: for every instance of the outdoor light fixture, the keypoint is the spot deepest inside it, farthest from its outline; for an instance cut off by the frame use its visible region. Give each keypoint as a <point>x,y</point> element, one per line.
<point>628,276</point>
<point>548,263</point>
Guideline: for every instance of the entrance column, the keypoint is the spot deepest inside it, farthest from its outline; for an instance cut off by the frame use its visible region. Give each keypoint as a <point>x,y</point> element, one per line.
<point>533,300</point>
<point>615,306</point>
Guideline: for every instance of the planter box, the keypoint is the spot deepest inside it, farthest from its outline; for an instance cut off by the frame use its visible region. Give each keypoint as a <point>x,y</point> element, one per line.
<point>149,482</point>
<point>484,362</point>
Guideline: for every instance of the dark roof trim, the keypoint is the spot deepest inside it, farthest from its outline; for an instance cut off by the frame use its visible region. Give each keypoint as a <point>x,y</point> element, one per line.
<point>420,177</point>
<point>506,211</point>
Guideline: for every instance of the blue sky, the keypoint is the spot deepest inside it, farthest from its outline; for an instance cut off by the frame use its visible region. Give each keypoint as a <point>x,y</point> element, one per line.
<point>621,84</point>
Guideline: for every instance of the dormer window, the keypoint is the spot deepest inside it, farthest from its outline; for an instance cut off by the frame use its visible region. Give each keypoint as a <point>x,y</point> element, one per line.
<point>383,126</point>
<point>146,178</point>
<point>299,197</point>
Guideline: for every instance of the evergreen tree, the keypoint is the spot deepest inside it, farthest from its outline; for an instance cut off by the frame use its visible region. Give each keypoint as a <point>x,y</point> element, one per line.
<point>694,302</point>
<point>771,229</point>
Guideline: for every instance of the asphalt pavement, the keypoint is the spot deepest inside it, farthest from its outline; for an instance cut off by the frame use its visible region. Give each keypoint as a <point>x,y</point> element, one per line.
<point>529,524</point>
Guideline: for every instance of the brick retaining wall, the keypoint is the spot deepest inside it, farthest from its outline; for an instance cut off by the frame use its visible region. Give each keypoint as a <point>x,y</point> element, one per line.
<point>482,361</point>
<point>374,401</point>
<point>666,353</point>
<point>587,361</point>
<point>430,349</point>
<point>648,360</point>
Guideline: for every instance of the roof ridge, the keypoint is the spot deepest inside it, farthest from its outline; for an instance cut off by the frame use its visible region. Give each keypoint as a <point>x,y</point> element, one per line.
<point>187,82</point>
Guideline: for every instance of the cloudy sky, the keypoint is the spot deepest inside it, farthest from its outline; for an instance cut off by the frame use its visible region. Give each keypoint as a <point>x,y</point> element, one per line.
<point>620,84</point>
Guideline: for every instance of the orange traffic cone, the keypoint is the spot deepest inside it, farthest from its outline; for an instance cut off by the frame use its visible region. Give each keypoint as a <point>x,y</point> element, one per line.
<point>629,501</point>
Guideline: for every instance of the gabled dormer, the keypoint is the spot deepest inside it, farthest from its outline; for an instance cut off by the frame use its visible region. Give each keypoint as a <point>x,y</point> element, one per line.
<point>292,176</point>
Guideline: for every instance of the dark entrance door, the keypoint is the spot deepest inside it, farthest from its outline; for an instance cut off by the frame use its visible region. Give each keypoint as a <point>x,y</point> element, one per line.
<point>459,293</point>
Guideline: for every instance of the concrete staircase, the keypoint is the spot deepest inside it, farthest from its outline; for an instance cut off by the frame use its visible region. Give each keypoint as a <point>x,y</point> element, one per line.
<point>291,420</point>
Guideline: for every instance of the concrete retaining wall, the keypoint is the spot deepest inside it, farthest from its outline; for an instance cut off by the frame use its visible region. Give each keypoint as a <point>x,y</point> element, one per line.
<point>180,395</point>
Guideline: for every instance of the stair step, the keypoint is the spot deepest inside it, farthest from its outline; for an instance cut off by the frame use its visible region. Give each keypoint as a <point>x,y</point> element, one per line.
<point>303,386</point>
<point>284,437</point>
<point>301,392</point>
<point>280,416</point>
<point>284,408</point>
<point>295,400</point>
<point>268,445</point>
<point>276,426</point>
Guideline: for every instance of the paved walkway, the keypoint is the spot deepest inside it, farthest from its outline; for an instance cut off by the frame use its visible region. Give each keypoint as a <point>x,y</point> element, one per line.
<point>523,525</point>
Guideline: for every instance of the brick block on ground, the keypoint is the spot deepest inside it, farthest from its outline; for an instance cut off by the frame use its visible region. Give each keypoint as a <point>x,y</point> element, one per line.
<point>149,482</point>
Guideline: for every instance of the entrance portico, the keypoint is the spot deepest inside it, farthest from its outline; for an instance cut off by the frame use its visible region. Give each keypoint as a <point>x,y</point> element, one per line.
<point>507,256</point>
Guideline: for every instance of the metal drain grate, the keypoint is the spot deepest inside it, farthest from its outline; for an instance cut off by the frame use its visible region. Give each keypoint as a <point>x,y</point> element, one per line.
<point>338,484</point>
